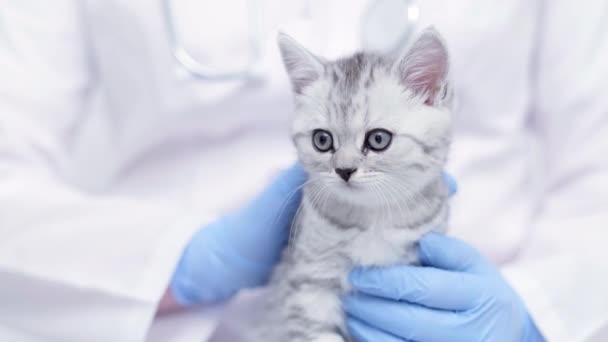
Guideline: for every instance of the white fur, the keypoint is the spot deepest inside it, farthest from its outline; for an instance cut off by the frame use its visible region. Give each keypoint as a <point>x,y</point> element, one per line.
<point>394,197</point>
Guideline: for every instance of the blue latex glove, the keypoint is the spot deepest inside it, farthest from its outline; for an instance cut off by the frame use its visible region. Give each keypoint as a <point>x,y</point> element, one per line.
<point>457,295</point>
<point>239,250</point>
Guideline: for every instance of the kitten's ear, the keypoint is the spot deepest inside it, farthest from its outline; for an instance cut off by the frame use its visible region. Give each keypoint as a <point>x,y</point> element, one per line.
<point>302,66</point>
<point>424,67</point>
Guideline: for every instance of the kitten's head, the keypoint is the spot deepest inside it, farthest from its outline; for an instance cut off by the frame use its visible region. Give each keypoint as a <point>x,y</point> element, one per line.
<point>371,124</point>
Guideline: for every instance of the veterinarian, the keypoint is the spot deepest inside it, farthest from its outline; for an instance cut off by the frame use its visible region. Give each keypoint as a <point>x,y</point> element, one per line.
<point>141,145</point>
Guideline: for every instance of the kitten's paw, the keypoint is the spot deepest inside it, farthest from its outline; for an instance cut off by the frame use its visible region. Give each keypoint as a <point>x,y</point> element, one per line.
<point>328,338</point>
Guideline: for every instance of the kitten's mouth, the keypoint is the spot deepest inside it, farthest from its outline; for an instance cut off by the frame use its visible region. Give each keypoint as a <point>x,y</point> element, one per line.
<point>352,186</point>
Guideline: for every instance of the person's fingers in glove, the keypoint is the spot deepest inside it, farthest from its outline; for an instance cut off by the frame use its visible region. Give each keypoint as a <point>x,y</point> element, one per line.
<point>240,249</point>
<point>456,295</point>
<point>260,230</point>
<point>456,291</point>
<point>450,181</point>
<point>365,333</point>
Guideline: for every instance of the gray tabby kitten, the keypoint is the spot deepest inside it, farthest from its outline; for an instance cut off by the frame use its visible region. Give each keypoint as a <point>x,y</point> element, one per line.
<point>373,133</point>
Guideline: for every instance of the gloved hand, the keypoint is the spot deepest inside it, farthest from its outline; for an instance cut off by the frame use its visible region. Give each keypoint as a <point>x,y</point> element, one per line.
<point>457,295</point>
<point>239,250</point>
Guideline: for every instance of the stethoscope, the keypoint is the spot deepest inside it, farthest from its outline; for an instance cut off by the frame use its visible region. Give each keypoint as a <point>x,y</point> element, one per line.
<point>385,24</point>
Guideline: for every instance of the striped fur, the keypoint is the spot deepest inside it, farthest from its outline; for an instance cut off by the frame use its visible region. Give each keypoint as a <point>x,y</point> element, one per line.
<point>393,198</point>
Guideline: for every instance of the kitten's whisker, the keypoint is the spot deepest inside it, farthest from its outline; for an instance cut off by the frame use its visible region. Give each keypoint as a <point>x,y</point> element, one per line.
<point>317,197</point>
<point>385,203</point>
<point>295,221</point>
<point>316,191</point>
<point>416,193</point>
<point>293,232</point>
<point>289,197</point>
<point>404,192</point>
<point>395,195</point>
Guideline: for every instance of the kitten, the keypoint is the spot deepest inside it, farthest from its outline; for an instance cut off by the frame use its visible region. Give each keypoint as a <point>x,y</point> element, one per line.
<point>373,133</point>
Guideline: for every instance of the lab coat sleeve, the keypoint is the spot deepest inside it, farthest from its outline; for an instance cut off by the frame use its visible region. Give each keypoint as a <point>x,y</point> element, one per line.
<point>563,272</point>
<point>74,266</point>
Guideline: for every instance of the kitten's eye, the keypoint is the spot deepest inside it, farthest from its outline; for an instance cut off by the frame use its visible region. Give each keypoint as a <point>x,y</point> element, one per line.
<point>378,139</point>
<point>322,140</point>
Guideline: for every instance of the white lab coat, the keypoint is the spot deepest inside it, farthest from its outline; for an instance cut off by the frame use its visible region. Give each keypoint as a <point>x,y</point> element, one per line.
<point>110,157</point>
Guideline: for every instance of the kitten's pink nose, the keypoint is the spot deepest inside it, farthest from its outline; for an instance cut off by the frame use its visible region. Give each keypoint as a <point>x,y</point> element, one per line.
<point>345,173</point>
